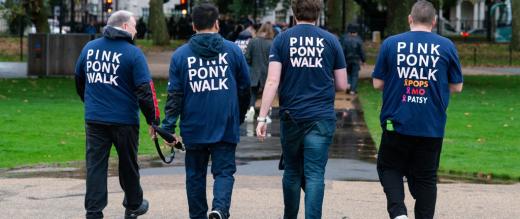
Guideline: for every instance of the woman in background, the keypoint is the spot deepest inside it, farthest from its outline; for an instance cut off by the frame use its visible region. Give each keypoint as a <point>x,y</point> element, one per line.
<point>257,56</point>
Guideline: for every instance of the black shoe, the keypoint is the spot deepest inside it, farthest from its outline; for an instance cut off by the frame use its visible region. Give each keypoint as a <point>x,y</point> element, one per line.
<point>215,214</point>
<point>131,214</point>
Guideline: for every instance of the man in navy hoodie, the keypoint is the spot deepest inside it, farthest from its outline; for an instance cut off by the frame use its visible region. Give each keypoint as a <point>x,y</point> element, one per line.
<point>209,89</point>
<point>113,80</point>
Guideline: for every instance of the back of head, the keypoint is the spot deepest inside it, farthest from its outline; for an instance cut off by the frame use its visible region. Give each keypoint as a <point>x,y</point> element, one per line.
<point>352,28</point>
<point>306,10</point>
<point>204,16</point>
<point>118,18</point>
<point>423,12</point>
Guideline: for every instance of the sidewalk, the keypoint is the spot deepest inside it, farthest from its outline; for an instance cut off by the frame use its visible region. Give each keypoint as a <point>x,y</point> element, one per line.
<point>254,197</point>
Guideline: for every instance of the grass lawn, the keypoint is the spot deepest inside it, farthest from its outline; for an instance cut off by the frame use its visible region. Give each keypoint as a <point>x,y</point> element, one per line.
<point>42,122</point>
<point>147,45</point>
<point>482,136</point>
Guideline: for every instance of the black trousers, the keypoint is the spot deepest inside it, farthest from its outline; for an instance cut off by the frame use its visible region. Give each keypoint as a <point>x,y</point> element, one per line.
<point>417,158</point>
<point>100,138</point>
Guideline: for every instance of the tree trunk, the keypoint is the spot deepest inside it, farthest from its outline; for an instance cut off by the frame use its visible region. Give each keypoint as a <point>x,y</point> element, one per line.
<point>334,16</point>
<point>515,27</point>
<point>397,16</point>
<point>157,23</point>
<point>37,11</point>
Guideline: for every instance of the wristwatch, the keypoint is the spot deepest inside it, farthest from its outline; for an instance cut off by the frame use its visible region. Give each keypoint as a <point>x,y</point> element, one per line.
<point>261,119</point>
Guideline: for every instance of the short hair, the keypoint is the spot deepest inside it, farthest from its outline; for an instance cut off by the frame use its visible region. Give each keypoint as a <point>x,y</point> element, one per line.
<point>423,12</point>
<point>118,18</point>
<point>204,16</point>
<point>306,10</point>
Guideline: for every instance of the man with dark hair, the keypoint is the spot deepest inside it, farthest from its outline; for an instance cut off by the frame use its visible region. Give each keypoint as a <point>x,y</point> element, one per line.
<point>354,55</point>
<point>246,35</point>
<point>416,71</point>
<point>113,80</point>
<point>306,66</point>
<point>209,89</point>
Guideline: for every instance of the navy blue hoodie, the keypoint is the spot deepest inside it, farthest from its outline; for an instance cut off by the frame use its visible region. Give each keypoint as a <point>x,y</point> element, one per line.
<point>209,89</point>
<point>113,80</point>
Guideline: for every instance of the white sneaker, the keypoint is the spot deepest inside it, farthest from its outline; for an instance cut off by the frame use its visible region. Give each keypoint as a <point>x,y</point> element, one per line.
<point>250,115</point>
<point>401,217</point>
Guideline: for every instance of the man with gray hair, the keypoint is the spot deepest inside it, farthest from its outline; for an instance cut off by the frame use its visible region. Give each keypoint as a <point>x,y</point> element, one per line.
<point>113,81</point>
<point>416,71</point>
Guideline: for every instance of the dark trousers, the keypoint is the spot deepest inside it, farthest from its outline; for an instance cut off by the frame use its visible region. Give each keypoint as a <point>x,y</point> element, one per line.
<point>100,138</point>
<point>417,158</point>
<point>222,167</point>
<point>353,75</point>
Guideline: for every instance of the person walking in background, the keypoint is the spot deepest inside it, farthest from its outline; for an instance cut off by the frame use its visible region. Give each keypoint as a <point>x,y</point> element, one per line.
<point>416,71</point>
<point>257,56</point>
<point>307,65</point>
<point>354,55</point>
<point>246,35</point>
<point>112,98</point>
<point>209,88</point>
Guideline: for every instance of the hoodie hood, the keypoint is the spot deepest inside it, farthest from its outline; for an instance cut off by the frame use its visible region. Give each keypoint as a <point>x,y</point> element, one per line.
<point>207,45</point>
<point>114,34</point>
<point>245,35</point>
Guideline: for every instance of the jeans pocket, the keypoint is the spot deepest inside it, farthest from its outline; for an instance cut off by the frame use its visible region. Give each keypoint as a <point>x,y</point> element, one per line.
<point>326,127</point>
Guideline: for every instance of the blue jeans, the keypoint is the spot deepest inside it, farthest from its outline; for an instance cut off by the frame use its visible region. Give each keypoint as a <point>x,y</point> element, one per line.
<point>353,75</point>
<point>305,147</point>
<point>222,167</point>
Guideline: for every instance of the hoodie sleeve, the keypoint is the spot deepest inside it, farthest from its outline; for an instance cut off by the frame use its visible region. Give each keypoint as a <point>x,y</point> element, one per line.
<point>79,77</point>
<point>145,90</point>
<point>175,99</point>
<point>243,85</point>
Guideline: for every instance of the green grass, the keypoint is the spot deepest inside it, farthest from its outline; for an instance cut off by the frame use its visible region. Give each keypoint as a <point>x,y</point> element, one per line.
<point>42,122</point>
<point>482,136</point>
<point>147,45</point>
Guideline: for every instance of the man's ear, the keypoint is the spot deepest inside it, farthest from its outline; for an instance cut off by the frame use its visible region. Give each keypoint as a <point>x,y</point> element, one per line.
<point>217,25</point>
<point>410,20</point>
<point>434,23</point>
<point>193,27</point>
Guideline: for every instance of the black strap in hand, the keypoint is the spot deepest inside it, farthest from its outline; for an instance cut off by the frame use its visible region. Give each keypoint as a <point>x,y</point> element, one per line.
<point>168,138</point>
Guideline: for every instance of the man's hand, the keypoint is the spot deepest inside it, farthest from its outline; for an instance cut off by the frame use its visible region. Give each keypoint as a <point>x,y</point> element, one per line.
<point>261,130</point>
<point>151,132</point>
<point>172,144</point>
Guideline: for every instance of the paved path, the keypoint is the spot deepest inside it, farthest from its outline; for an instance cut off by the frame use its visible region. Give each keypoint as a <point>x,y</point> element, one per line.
<point>254,197</point>
<point>13,69</point>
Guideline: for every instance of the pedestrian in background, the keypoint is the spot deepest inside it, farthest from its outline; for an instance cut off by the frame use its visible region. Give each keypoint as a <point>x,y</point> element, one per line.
<point>354,55</point>
<point>257,56</point>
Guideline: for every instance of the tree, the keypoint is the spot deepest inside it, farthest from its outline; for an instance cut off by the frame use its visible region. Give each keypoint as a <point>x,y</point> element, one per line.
<point>157,23</point>
<point>20,13</point>
<point>37,11</point>
<point>515,26</point>
<point>335,14</point>
<point>397,12</point>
